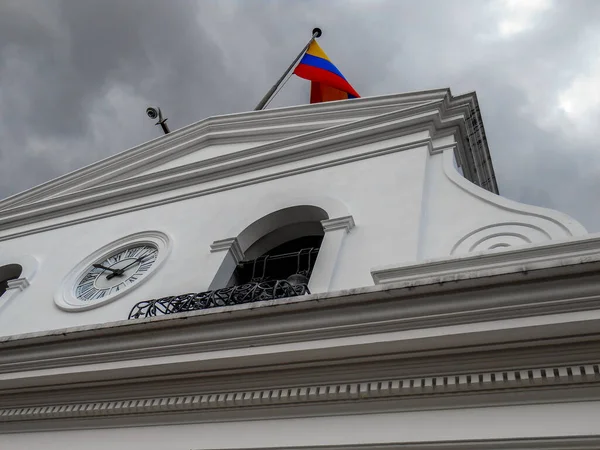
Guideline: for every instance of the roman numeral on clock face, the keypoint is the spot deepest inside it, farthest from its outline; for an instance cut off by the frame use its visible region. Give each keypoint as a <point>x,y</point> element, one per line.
<point>145,266</point>
<point>85,287</point>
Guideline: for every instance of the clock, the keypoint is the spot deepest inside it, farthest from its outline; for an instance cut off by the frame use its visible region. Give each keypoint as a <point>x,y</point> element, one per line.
<point>113,271</point>
<point>117,272</point>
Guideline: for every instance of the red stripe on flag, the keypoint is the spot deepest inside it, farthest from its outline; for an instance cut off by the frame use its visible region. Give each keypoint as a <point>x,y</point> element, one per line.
<point>323,76</point>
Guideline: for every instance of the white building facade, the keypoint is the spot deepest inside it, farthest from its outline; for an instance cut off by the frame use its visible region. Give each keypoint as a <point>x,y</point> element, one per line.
<point>335,275</point>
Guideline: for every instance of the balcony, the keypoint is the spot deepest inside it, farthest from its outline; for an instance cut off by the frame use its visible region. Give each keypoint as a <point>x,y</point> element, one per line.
<point>268,277</point>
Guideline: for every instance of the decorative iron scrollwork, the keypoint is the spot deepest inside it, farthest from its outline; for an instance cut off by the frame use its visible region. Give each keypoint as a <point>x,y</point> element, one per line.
<point>235,295</point>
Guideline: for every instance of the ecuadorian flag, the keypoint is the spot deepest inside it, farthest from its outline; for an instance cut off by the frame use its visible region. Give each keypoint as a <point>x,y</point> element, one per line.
<point>327,82</point>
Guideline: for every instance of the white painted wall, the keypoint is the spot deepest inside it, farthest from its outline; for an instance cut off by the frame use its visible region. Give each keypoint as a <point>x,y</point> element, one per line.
<point>195,223</point>
<point>509,422</point>
<point>459,217</point>
<point>402,200</point>
<point>404,203</point>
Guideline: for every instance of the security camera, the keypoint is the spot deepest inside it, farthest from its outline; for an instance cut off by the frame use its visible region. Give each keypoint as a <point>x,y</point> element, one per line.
<point>152,112</point>
<point>155,113</point>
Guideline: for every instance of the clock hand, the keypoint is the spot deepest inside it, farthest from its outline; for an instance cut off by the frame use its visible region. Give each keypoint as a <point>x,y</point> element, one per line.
<point>119,272</point>
<point>100,266</point>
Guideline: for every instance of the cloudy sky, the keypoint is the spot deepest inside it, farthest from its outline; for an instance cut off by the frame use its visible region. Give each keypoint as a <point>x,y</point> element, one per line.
<point>77,75</point>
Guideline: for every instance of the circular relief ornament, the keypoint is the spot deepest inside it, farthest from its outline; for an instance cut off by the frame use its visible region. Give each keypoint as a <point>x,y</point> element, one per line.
<point>112,271</point>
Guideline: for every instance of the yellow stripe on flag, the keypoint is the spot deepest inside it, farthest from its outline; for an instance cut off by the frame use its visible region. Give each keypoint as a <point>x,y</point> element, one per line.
<point>315,50</point>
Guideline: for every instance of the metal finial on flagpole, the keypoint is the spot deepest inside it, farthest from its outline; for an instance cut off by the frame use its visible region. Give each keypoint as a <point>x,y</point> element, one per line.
<point>315,34</point>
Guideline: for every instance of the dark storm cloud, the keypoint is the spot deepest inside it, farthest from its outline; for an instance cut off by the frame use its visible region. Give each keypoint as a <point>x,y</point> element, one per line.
<point>60,60</point>
<point>151,46</point>
<point>75,76</point>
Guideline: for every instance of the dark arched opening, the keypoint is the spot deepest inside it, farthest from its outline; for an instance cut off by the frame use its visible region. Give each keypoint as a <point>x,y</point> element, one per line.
<point>292,260</point>
<point>7,273</point>
<point>286,249</point>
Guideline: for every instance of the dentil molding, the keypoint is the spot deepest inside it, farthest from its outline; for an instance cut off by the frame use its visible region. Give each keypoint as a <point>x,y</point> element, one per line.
<point>344,392</point>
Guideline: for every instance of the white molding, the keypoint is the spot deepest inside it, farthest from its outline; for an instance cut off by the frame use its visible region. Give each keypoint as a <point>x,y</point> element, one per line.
<point>29,265</point>
<point>247,123</point>
<point>552,443</point>
<point>439,115</point>
<point>329,140</point>
<point>18,284</point>
<point>197,192</point>
<point>365,390</point>
<point>267,204</point>
<point>500,234</point>
<point>230,244</point>
<point>327,260</point>
<point>441,148</point>
<point>65,298</point>
<point>505,310</point>
<point>346,223</point>
<point>569,225</point>
<point>575,251</point>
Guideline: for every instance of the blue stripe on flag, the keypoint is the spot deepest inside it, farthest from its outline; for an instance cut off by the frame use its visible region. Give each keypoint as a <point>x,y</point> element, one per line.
<point>321,63</point>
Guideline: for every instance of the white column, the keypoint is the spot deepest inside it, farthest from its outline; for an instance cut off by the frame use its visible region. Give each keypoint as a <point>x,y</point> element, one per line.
<point>225,255</point>
<point>335,232</point>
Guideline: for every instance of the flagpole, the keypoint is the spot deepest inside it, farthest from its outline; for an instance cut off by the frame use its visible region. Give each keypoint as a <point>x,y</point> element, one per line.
<point>316,33</point>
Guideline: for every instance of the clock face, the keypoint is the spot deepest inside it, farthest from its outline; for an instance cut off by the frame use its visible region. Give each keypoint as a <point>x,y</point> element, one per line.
<point>116,273</point>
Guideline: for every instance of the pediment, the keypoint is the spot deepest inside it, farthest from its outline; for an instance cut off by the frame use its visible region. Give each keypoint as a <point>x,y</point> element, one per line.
<point>218,136</point>
<point>218,147</point>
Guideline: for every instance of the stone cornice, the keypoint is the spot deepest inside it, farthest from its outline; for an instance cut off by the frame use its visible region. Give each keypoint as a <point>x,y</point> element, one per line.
<point>458,385</point>
<point>113,198</point>
<point>429,116</point>
<point>428,340</point>
<point>549,304</point>
<point>346,133</point>
<point>571,252</point>
<point>247,125</point>
<point>555,443</point>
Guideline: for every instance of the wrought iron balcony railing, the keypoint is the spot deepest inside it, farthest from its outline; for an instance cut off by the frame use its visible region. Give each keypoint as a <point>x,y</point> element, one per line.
<point>277,267</point>
<point>234,295</point>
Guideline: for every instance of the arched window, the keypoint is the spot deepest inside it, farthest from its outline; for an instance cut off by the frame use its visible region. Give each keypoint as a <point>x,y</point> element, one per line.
<point>7,273</point>
<point>283,245</point>
<point>292,261</point>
